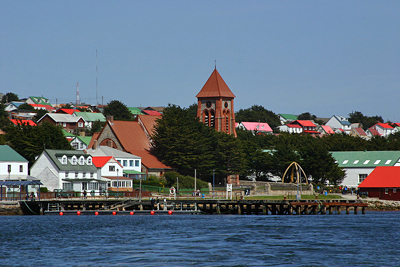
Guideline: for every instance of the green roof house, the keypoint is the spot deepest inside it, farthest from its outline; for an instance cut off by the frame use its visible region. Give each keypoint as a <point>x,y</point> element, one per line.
<point>359,164</point>
<point>71,170</point>
<point>90,117</point>
<point>13,166</point>
<point>81,142</point>
<point>286,118</point>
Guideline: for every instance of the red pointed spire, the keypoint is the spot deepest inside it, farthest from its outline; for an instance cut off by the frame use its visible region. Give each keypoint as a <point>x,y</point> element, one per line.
<point>215,87</point>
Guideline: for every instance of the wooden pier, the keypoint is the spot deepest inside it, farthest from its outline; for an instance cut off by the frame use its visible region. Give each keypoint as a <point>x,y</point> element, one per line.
<point>204,206</point>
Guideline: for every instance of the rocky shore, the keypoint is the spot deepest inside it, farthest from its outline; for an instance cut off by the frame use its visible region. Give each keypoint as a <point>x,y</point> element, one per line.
<point>375,204</point>
<point>10,208</point>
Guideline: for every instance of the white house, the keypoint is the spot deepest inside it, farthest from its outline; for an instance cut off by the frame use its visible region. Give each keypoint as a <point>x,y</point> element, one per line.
<point>80,142</point>
<point>384,129</point>
<point>111,169</point>
<point>359,164</point>
<point>13,168</point>
<point>131,164</point>
<point>339,122</point>
<point>71,170</point>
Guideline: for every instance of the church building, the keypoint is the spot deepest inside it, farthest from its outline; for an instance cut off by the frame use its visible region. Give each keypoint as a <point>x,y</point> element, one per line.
<point>215,105</point>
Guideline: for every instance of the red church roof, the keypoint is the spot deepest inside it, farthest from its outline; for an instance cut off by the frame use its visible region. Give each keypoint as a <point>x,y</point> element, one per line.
<point>215,87</point>
<point>382,177</point>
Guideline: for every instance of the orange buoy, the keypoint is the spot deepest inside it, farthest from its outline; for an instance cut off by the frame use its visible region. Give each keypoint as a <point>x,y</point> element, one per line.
<point>152,212</point>
<point>170,212</point>
<point>114,213</point>
<point>78,212</point>
<point>61,213</point>
<point>96,213</point>
<point>131,213</point>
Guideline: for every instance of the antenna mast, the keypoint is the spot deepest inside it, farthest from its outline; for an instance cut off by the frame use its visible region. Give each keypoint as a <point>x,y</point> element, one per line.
<point>97,102</point>
<point>77,95</point>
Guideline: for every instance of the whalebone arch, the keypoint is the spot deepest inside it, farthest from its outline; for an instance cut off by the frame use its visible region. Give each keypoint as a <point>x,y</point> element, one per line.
<point>294,173</point>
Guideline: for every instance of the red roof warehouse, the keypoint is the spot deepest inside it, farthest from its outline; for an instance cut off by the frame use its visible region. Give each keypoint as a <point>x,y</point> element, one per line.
<point>383,183</point>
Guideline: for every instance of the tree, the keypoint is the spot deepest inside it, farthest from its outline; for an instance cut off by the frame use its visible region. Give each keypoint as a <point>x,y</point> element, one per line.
<point>26,106</point>
<point>39,114</point>
<point>258,114</point>
<point>29,141</point>
<point>118,110</point>
<point>9,97</point>
<point>96,127</point>
<point>306,116</point>
<point>367,122</point>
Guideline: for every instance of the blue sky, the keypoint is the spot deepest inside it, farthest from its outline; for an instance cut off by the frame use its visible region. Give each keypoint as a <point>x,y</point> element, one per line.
<point>323,57</point>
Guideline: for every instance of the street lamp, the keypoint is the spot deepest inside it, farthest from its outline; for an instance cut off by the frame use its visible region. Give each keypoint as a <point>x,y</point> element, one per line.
<point>117,183</point>
<point>213,182</point>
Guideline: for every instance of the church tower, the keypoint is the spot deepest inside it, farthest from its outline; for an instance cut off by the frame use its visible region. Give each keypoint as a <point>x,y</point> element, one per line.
<point>215,105</point>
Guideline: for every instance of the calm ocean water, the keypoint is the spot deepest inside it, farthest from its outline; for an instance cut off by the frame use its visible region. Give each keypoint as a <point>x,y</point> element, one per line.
<point>371,239</point>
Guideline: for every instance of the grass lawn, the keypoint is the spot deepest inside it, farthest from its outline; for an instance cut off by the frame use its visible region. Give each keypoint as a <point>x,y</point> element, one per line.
<point>305,197</point>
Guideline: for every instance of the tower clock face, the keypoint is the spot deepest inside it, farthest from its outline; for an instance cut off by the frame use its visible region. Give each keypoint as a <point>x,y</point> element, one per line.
<point>226,104</point>
<point>208,104</point>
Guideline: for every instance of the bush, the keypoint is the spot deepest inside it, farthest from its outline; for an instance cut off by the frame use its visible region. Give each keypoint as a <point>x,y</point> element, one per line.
<point>44,190</point>
<point>184,181</point>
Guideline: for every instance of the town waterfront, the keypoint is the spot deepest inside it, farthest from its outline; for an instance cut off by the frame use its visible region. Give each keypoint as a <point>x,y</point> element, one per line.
<point>201,240</point>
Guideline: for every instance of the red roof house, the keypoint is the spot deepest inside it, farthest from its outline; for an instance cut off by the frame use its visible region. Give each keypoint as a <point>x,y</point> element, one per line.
<point>26,122</point>
<point>133,137</point>
<point>383,182</point>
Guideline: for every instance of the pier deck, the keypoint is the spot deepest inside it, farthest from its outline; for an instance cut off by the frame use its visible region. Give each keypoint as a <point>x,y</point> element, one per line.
<point>205,206</point>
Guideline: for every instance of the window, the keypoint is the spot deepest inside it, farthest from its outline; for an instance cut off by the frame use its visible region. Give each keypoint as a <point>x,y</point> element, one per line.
<point>345,162</point>
<point>68,186</point>
<point>84,175</point>
<point>89,161</point>
<point>21,168</point>
<point>64,160</point>
<point>80,124</point>
<point>81,146</point>
<point>125,163</point>
<point>136,163</point>
<point>386,191</point>
<point>111,168</point>
<point>366,162</point>
<point>131,163</point>
<point>76,175</point>
<point>377,161</point>
<point>93,186</point>
<point>74,160</point>
<point>121,184</point>
<point>356,161</point>
<point>388,161</point>
<point>75,145</point>
<point>64,124</point>
<point>361,177</point>
<point>394,190</point>
<point>66,174</point>
<point>81,160</point>
<point>91,175</point>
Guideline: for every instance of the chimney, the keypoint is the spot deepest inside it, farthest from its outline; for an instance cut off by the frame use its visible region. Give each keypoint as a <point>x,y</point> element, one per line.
<point>82,133</point>
<point>110,118</point>
<point>94,147</point>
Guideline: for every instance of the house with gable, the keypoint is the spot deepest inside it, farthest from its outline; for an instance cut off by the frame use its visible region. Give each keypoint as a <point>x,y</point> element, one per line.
<point>13,105</point>
<point>70,170</point>
<point>40,103</point>
<point>339,122</point>
<point>383,183</point>
<point>255,127</point>
<point>133,137</point>
<point>80,142</point>
<point>286,118</point>
<point>359,132</point>
<point>381,129</point>
<point>324,129</point>
<point>131,163</point>
<point>90,117</point>
<point>359,164</point>
<point>112,170</point>
<point>68,122</point>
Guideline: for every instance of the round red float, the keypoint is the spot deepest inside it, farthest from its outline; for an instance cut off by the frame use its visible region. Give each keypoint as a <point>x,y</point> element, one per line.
<point>152,212</point>
<point>78,212</point>
<point>61,213</point>
<point>131,213</point>
<point>114,213</point>
<point>170,212</point>
<point>96,213</point>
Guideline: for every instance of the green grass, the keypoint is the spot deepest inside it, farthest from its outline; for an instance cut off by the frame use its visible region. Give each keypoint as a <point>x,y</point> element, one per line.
<point>304,197</point>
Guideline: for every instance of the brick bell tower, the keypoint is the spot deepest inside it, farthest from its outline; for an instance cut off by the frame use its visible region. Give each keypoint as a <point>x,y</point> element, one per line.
<point>215,105</point>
